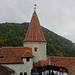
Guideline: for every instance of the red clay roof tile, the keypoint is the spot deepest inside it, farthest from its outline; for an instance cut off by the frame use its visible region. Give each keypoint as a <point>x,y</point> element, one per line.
<point>34,33</point>
<point>42,63</point>
<point>1,55</point>
<point>13,54</point>
<point>27,54</point>
<point>67,62</point>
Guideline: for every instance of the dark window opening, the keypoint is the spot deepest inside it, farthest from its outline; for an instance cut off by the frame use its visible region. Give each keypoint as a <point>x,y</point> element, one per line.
<point>1,57</point>
<point>35,49</point>
<point>21,73</point>
<point>27,59</point>
<point>25,73</point>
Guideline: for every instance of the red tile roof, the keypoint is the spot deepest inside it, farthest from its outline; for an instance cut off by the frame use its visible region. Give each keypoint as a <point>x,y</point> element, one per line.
<point>42,63</point>
<point>1,55</point>
<point>34,33</point>
<point>67,62</point>
<point>14,54</point>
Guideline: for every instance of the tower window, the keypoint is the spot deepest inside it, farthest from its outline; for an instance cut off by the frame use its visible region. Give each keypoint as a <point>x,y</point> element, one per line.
<point>27,59</point>
<point>35,49</point>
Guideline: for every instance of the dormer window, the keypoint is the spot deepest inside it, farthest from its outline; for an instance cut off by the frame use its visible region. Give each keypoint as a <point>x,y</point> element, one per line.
<point>1,57</point>
<point>27,59</point>
<point>35,49</point>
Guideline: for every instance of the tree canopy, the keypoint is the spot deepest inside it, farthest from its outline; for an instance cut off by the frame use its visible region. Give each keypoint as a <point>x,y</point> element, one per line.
<point>13,34</point>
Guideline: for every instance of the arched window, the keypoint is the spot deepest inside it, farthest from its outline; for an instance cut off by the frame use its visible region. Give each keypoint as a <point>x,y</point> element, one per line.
<point>21,73</point>
<point>25,73</point>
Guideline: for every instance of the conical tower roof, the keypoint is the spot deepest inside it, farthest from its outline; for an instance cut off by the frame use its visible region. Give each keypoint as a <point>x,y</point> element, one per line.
<point>34,32</point>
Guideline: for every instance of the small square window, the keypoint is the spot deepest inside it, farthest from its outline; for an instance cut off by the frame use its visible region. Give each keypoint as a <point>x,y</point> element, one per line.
<point>35,49</point>
<point>27,59</point>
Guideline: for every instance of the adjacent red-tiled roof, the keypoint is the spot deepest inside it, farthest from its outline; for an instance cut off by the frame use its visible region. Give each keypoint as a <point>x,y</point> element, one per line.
<point>27,54</point>
<point>13,54</point>
<point>34,33</point>
<point>42,63</point>
<point>67,62</point>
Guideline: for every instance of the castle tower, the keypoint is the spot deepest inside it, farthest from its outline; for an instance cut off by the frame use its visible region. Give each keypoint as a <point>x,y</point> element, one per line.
<point>35,39</point>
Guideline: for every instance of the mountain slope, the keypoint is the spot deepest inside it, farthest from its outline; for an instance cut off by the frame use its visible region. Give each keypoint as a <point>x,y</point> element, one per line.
<point>12,34</point>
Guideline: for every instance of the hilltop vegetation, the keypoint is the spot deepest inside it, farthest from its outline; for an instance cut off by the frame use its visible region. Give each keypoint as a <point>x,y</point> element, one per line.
<point>12,34</point>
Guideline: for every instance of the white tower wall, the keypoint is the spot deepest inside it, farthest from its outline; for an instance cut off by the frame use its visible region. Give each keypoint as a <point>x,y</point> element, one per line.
<point>40,54</point>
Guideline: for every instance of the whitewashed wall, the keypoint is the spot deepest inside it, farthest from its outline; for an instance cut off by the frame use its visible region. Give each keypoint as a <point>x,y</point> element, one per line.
<point>41,50</point>
<point>26,67</point>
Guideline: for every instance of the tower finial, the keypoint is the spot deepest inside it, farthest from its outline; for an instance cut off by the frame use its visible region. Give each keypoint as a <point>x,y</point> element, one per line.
<point>35,7</point>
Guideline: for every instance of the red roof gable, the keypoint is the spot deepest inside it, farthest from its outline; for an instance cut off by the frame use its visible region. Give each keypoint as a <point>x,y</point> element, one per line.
<point>13,54</point>
<point>27,54</point>
<point>34,33</point>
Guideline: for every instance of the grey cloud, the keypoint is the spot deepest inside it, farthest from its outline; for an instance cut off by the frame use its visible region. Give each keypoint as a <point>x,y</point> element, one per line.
<point>56,15</point>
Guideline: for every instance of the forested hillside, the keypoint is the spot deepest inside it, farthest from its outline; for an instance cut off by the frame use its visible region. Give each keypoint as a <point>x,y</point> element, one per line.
<point>12,34</point>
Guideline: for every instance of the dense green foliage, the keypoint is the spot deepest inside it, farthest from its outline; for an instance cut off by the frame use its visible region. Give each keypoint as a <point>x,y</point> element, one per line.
<point>12,34</point>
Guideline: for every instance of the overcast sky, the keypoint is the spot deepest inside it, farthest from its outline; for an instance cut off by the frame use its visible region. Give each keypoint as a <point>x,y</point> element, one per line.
<point>56,15</point>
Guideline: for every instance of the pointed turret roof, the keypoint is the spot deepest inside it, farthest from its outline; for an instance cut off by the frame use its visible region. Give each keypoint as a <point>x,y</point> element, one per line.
<point>34,33</point>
